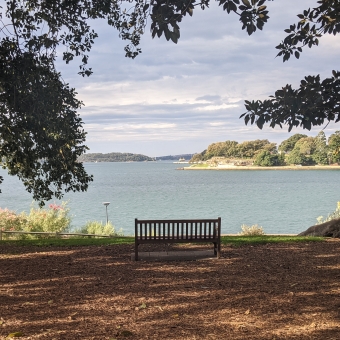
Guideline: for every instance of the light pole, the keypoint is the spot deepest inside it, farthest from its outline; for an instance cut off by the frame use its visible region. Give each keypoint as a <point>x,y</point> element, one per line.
<point>107,217</point>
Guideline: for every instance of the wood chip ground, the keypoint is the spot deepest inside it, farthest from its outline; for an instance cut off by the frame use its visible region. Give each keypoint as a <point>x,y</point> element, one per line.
<point>285,291</point>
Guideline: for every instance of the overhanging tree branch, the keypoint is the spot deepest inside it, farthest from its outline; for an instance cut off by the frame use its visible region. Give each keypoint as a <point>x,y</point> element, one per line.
<point>312,104</point>
<point>315,102</point>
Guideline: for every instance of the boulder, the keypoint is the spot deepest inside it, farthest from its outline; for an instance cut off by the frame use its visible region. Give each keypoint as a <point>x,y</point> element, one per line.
<point>327,229</point>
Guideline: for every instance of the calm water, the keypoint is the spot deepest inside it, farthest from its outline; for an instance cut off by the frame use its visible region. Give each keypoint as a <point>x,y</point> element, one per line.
<point>279,201</point>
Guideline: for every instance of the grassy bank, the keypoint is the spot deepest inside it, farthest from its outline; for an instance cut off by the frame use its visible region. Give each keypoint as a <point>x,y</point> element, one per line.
<point>237,241</point>
<point>71,242</point>
<point>234,241</point>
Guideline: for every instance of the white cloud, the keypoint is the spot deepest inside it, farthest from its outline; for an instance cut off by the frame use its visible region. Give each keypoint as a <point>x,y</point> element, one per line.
<point>216,107</point>
<point>217,124</point>
<point>129,127</point>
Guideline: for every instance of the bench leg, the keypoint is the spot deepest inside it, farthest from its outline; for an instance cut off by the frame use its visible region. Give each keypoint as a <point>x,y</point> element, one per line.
<point>217,249</point>
<point>136,251</point>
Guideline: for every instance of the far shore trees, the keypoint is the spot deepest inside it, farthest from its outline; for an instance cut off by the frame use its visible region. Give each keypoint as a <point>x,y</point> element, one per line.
<point>288,144</point>
<point>232,149</point>
<point>266,158</point>
<point>334,147</point>
<point>296,150</point>
<point>320,155</point>
<point>114,157</point>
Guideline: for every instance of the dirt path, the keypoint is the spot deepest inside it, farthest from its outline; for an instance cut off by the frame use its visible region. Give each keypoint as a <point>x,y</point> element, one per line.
<point>263,292</point>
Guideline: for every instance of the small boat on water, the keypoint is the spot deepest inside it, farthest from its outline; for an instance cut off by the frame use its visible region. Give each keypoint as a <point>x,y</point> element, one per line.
<point>182,161</point>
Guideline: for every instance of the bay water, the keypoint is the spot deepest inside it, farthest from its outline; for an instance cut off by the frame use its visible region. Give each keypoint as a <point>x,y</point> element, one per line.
<point>281,201</point>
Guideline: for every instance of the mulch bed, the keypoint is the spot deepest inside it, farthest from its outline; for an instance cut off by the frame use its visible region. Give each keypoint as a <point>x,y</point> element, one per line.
<point>285,291</point>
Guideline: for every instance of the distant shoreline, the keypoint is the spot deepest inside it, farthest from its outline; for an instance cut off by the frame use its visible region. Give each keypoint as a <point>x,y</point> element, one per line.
<point>236,167</point>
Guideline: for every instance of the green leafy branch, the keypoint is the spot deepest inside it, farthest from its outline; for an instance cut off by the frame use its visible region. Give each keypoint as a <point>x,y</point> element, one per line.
<point>313,103</point>
<point>311,26</point>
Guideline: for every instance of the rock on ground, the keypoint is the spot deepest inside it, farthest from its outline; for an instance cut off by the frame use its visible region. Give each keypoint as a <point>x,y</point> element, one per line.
<point>327,229</point>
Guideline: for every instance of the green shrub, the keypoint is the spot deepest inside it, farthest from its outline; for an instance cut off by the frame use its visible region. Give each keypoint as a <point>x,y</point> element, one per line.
<point>55,219</point>
<point>254,230</point>
<point>295,157</point>
<point>266,158</point>
<point>98,228</point>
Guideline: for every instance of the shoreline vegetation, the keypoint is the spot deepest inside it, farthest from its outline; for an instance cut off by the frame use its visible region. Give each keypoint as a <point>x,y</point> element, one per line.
<point>298,152</point>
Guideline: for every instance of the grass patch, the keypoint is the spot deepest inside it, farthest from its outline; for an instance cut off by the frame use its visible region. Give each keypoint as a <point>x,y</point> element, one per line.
<point>235,241</point>
<point>70,242</point>
<point>239,240</point>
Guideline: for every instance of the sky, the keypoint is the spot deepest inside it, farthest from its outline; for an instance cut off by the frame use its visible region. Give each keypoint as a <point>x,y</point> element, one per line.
<point>179,98</point>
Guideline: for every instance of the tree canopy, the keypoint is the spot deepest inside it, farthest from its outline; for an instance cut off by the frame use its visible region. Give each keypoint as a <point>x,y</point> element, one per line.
<point>41,134</point>
<point>233,149</point>
<point>266,158</point>
<point>288,144</point>
<point>334,146</point>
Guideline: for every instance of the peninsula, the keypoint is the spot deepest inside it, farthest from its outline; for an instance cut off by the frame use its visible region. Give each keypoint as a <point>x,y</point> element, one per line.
<point>298,152</point>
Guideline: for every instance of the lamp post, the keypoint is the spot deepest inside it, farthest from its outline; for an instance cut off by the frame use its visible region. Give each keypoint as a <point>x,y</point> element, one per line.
<point>107,217</point>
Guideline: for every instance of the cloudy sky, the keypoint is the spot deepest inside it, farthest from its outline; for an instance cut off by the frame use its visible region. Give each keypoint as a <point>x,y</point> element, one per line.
<point>175,99</point>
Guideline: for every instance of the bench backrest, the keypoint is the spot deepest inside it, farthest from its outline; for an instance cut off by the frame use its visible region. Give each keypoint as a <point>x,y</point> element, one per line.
<point>209,229</point>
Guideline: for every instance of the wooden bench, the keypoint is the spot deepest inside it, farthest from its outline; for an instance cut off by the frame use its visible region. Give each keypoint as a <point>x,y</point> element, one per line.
<point>178,231</point>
